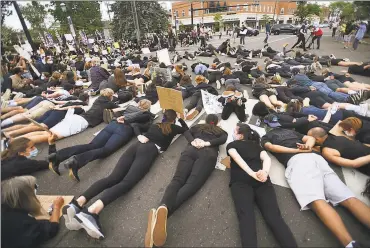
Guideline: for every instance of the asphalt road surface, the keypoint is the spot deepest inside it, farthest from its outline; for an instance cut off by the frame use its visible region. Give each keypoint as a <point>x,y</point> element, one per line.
<point>208,219</point>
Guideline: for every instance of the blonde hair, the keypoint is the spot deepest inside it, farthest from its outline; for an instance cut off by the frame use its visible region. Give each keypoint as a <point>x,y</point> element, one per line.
<point>108,92</point>
<point>200,79</point>
<point>19,193</point>
<point>144,104</point>
<point>227,71</point>
<point>95,61</point>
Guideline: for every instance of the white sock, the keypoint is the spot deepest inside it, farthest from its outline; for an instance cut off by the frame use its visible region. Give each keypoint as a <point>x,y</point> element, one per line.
<point>350,245</point>
<point>6,122</point>
<point>351,92</point>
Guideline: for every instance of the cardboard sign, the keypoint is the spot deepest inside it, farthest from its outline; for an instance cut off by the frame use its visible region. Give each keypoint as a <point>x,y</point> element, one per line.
<point>68,37</point>
<point>47,200</point>
<point>116,45</point>
<point>145,50</point>
<point>22,52</point>
<point>91,41</point>
<point>164,57</point>
<point>170,99</point>
<point>71,48</point>
<point>104,52</point>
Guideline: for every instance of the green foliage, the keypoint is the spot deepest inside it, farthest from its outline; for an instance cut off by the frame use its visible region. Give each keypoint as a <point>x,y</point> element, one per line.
<point>305,10</point>
<point>266,18</point>
<point>35,13</point>
<point>362,10</point>
<point>8,35</point>
<point>344,9</point>
<point>5,11</point>
<point>85,15</point>
<point>219,22</point>
<point>152,18</point>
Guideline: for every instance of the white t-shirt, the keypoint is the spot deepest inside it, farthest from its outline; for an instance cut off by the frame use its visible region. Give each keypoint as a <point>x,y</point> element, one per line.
<point>335,24</point>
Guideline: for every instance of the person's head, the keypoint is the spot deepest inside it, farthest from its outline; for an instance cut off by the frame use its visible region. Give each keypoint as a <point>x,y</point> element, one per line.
<point>351,126</point>
<point>18,71</point>
<point>107,92</point>
<point>95,61</point>
<point>84,97</point>
<point>298,54</point>
<point>227,71</point>
<point>69,87</point>
<point>169,117</point>
<point>230,88</point>
<point>319,134</point>
<point>80,57</point>
<point>20,146</point>
<point>295,71</point>
<point>294,106</point>
<point>260,109</point>
<point>200,79</point>
<point>245,132</point>
<point>185,80</point>
<point>149,65</point>
<point>119,78</point>
<point>55,76</point>
<point>20,193</point>
<point>210,126</point>
<point>179,70</point>
<point>69,75</point>
<point>227,40</point>
<point>144,104</point>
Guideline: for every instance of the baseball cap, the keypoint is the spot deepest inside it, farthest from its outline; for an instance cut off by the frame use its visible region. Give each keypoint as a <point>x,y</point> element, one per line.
<point>272,120</point>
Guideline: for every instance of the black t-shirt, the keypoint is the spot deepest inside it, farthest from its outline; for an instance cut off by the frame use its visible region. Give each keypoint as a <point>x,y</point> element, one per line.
<point>250,152</point>
<point>282,137</point>
<point>348,149</point>
<point>359,70</point>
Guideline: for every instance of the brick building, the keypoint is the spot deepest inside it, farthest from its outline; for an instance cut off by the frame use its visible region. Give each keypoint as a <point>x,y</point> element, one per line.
<point>252,16</point>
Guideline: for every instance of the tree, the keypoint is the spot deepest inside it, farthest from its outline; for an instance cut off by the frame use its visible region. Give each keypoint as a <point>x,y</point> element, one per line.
<point>219,22</point>
<point>362,10</point>
<point>152,18</point>
<point>35,13</point>
<point>5,11</point>
<point>324,13</point>
<point>343,9</point>
<point>305,10</point>
<point>85,15</point>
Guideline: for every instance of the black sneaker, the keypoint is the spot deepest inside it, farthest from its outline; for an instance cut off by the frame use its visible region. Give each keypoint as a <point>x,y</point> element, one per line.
<point>54,163</point>
<point>69,211</point>
<point>72,165</point>
<point>90,222</point>
<point>358,98</point>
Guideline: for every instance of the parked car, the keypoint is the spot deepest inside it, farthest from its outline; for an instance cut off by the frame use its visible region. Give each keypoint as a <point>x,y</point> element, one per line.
<point>284,28</point>
<point>323,25</point>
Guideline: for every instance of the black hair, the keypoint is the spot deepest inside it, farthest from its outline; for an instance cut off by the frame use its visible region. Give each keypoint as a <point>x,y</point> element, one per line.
<point>84,97</point>
<point>260,109</point>
<point>210,126</point>
<point>367,189</point>
<point>68,87</point>
<point>17,70</point>
<point>162,65</point>
<point>248,132</point>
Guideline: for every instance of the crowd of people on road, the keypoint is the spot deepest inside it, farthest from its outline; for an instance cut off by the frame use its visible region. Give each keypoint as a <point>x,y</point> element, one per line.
<point>52,96</point>
<point>349,32</point>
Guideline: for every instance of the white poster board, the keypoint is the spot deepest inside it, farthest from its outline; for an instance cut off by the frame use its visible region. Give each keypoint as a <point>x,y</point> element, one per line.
<point>71,48</point>
<point>22,52</point>
<point>104,52</point>
<point>164,57</point>
<point>145,50</point>
<point>68,37</point>
<point>27,47</point>
<point>91,41</point>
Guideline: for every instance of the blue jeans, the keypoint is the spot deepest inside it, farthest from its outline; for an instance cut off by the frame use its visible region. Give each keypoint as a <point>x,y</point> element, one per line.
<point>337,96</point>
<point>320,114</point>
<point>109,140</point>
<point>34,102</point>
<point>52,117</point>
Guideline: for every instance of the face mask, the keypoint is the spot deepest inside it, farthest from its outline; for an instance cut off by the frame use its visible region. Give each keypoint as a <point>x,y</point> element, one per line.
<point>42,77</point>
<point>33,153</point>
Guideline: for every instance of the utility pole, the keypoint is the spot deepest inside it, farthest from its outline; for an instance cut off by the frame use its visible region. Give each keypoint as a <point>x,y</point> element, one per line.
<point>273,18</point>
<point>136,22</point>
<point>191,14</point>
<point>25,29</point>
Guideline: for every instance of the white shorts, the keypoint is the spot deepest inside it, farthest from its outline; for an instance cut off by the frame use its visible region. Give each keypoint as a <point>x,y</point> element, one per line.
<point>72,124</point>
<point>347,38</point>
<point>311,178</point>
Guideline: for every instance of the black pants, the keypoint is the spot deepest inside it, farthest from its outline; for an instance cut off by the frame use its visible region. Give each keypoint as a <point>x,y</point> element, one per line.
<point>133,165</point>
<point>229,108</point>
<point>202,41</point>
<point>302,39</point>
<point>317,98</point>
<point>109,140</point>
<point>318,38</point>
<point>194,168</point>
<point>333,33</point>
<point>195,102</point>
<point>244,196</point>
<point>286,95</point>
<point>242,39</point>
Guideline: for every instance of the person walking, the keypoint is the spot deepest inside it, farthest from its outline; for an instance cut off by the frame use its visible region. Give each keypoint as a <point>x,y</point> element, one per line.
<point>268,31</point>
<point>317,34</point>
<point>202,36</point>
<point>335,26</point>
<point>301,38</point>
<point>242,34</point>
<point>360,34</point>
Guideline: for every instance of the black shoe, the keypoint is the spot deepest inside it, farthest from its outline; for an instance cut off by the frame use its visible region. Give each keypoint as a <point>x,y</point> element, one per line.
<point>90,222</point>
<point>54,163</point>
<point>72,165</point>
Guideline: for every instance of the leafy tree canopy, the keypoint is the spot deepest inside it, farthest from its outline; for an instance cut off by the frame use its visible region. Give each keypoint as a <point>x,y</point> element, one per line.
<point>305,10</point>
<point>5,11</point>
<point>35,13</point>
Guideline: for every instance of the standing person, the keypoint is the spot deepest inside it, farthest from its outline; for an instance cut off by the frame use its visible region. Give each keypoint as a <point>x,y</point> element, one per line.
<point>242,33</point>
<point>133,165</point>
<point>360,34</point>
<point>202,36</point>
<point>170,38</point>
<point>98,74</point>
<point>196,164</point>
<point>19,207</point>
<point>301,38</point>
<point>268,31</point>
<point>317,34</point>
<point>335,26</point>
<point>250,184</point>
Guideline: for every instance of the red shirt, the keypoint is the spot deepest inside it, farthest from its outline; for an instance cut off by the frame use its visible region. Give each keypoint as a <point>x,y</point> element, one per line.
<point>318,32</point>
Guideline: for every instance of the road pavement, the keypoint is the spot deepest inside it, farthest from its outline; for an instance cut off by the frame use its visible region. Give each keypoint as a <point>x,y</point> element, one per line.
<point>208,219</point>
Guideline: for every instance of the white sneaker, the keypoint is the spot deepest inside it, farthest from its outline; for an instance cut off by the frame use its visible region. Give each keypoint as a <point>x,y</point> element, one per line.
<point>222,81</point>
<point>218,84</point>
<point>346,60</point>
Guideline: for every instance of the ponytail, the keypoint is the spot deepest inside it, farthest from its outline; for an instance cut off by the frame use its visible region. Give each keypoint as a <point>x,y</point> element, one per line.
<point>248,132</point>
<point>17,145</point>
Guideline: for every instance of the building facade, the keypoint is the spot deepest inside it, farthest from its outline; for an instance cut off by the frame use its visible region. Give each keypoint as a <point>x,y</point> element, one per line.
<point>233,14</point>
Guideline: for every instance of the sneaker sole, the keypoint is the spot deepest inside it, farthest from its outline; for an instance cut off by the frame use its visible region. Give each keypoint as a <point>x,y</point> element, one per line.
<point>71,223</point>
<point>72,176</point>
<point>160,227</point>
<point>91,230</point>
<point>149,230</point>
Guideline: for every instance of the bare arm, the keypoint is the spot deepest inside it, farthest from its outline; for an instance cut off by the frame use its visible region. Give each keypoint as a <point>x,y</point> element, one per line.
<point>266,161</point>
<point>309,141</point>
<point>334,156</point>
<point>280,149</point>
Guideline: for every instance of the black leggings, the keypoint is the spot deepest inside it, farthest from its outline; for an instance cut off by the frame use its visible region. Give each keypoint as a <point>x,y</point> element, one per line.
<point>194,168</point>
<point>317,98</point>
<point>244,196</point>
<point>195,102</point>
<point>133,165</point>
<point>302,39</point>
<point>232,107</point>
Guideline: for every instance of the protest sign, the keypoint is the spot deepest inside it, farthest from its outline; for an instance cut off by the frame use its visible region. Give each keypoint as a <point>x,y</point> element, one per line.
<point>68,37</point>
<point>145,50</point>
<point>170,99</point>
<point>164,57</point>
<point>211,103</point>
<point>46,202</point>
<point>116,45</point>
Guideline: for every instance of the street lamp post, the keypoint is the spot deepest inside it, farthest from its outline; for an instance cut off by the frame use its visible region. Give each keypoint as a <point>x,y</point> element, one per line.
<point>69,19</point>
